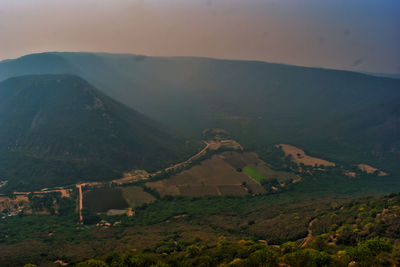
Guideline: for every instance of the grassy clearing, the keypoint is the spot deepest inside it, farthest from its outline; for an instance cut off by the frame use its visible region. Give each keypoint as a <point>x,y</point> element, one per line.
<point>253,173</point>
<point>265,171</point>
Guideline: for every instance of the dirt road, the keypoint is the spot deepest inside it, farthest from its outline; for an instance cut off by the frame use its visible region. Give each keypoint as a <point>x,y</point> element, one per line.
<point>80,202</point>
<point>190,159</point>
<point>309,236</point>
<point>65,193</point>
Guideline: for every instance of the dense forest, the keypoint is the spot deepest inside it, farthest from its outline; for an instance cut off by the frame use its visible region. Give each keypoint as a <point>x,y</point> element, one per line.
<point>58,130</point>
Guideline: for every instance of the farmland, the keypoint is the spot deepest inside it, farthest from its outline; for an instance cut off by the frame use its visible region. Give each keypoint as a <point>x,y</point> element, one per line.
<point>370,170</point>
<point>299,156</point>
<point>262,171</point>
<point>277,216</point>
<point>252,165</point>
<point>253,173</point>
<point>226,173</point>
<point>215,172</point>
<point>104,199</point>
<point>214,176</point>
<point>135,196</point>
<point>114,200</point>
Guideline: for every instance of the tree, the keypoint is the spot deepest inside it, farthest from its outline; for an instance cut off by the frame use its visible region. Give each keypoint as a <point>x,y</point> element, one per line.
<point>193,251</point>
<point>307,258</point>
<point>367,251</point>
<point>289,247</point>
<point>264,257</point>
<point>346,235</point>
<point>377,245</point>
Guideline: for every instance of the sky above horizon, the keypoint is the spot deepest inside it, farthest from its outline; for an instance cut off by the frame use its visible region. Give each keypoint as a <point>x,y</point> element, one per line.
<point>360,35</point>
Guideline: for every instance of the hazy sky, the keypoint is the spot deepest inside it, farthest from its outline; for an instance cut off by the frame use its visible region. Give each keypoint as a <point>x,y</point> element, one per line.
<point>345,34</point>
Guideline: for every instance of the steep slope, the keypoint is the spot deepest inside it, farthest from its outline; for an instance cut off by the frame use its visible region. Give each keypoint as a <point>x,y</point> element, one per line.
<point>58,129</point>
<point>335,113</point>
<point>46,63</point>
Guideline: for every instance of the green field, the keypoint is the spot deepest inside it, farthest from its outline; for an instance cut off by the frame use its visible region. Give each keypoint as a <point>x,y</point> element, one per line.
<point>263,171</point>
<point>253,173</point>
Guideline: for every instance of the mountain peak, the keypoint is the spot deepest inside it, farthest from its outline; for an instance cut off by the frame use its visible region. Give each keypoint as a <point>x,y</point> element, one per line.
<point>62,127</point>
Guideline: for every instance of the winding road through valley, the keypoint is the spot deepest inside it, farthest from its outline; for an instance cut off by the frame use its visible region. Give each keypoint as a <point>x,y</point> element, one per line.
<point>199,154</point>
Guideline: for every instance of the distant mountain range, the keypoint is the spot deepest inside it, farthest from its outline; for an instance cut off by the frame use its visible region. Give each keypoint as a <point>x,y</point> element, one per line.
<point>58,129</point>
<point>387,75</point>
<point>339,115</point>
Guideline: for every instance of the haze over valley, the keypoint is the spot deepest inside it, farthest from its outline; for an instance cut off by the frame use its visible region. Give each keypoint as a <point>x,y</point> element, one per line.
<point>202,156</point>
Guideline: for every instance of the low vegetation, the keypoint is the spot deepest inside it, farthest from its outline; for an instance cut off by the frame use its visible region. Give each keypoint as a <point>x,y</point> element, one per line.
<point>362,232</point>
<point>341,228</point>
<point>371,252</point>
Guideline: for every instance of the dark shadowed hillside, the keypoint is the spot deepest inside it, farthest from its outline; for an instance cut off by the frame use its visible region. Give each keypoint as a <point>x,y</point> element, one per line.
<point>58,129</point>
<point>338,114</point>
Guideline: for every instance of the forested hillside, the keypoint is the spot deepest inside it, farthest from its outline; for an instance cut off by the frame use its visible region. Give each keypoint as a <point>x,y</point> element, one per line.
<point>58,130</point>
<point>338,114</point>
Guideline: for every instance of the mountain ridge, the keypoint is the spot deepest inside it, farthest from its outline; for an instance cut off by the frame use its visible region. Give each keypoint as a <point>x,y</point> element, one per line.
<point>59,126</point>
<point>258,102</point>
<point>367,73</point>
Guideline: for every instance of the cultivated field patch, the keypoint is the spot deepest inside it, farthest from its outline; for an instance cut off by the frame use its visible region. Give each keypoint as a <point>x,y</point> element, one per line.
<point>299,156</point>
<point>254,167</point>
<point>213,176</point>
<point>135,196</point>
<point>199,190</point>
<point>255,188</point>
<point>249,170</point>
<point>232,190</point>
<point>239,160</point>
<point>263,170</point>
<point>370,170</point>
<point>104,199</point>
